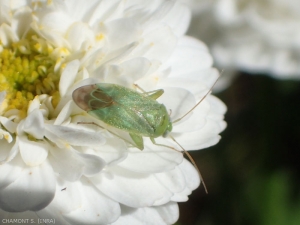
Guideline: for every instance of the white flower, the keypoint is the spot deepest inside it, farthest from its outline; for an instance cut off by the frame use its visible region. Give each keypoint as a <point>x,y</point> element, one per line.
<point>54,168</point>
<point>251,35</point>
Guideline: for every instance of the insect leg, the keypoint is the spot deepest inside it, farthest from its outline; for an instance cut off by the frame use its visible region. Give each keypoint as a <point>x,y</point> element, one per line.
<point>187,154</point>
<point>193,162</point>
<point>151,94</point>
<point>155,94</point>
<point>138,140</point>
<point>167,146</point>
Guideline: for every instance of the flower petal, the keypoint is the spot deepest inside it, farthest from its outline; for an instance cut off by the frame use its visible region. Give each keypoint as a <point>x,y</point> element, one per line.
<point>33,153</point>
<point>7,35</point>
<point>68,76</point>
<point>80,203</point>
<point>8,150</point>
<point>174,180</point>
<point>157,44</point>
<point>21,19</point>
<point>122,32</point>
<point>8,124</point>
<point>80,36</point>
<point>71,165</point>
<point>64,110</point>
<point>138,190</point>
<point>34,124</point>
<point>75,137</point>
<point>33,186</point>
<point>128,72</point>
<point>159,215</point>
<point>5,149</point>
<point>6,135</point>
<point>2,96</point>
<point>112,153</point>
<point>178,18</point>
<point>153,159</point>
<point>192,180</point>
<point>178,100</point>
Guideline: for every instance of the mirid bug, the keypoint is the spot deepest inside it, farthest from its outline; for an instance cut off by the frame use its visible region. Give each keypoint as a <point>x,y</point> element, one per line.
<point>137,113</point>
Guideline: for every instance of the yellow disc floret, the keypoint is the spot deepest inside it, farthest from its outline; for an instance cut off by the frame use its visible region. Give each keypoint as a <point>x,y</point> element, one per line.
<point>27,70</point>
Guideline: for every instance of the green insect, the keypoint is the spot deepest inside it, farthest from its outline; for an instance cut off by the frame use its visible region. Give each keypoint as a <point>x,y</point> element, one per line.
<point>137,113</point>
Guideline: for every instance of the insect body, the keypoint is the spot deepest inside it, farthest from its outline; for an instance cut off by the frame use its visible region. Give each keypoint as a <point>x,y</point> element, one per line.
<point>137,113</point>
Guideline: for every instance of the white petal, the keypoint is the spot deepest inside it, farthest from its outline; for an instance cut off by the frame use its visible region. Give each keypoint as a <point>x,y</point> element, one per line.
<point>195,120</point>
<point>34,124</point>
<point>6,135</point>
<point>174,180</point>
<point>80,203</point>
<point>35,104</point>
<point>168,212</point>
<point>192,180</point>
<point>160,215</point>
<point>66,164</point>
<point>118,55</point>
<point>217,106</point>
<point>155,12</point>
<point>80,10</point>
<point>178,100</point>
<point>2,96</point>
<point>9,172</point>
<point>193,85</point>
<point>56,20</point>
<point>71,165</point>
<point>157,44</point>
<point>203,138</point>
<point>68,76</point>
<point>5,149</point>
<point>137,189</point>
<point>21,21</point>
<point>64,110</point>
<point>191,175</point>
<point>8,124</point>
<point>75,137</point>
<point>178,18</point>
<point>33,153</point>
<point>114,151</point>
<point>104,11</point>
<point>153,159</point>
<point>80,36</point>
<point>8,150</point>
<point>186,59</point>
<point>7,35</point>
<point>122,32</point>
<point>128,72</point>
<point>34,187</point>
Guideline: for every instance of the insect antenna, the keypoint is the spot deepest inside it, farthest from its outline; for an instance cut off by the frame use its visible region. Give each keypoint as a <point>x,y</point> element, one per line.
<point>138,87</point>
<point>192,161</point>
<point>209,91</point>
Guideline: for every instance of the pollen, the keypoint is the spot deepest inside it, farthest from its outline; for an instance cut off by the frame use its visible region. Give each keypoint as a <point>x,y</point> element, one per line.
<point>27,70</point>
<point>100,37</point>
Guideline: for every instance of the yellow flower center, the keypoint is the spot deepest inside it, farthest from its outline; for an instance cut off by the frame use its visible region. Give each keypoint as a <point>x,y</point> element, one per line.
<point>27,70</point>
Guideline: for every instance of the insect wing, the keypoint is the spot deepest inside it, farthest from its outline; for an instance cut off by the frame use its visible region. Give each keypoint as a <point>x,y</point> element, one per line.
<point>90,97</point>
<point>126,111</point>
